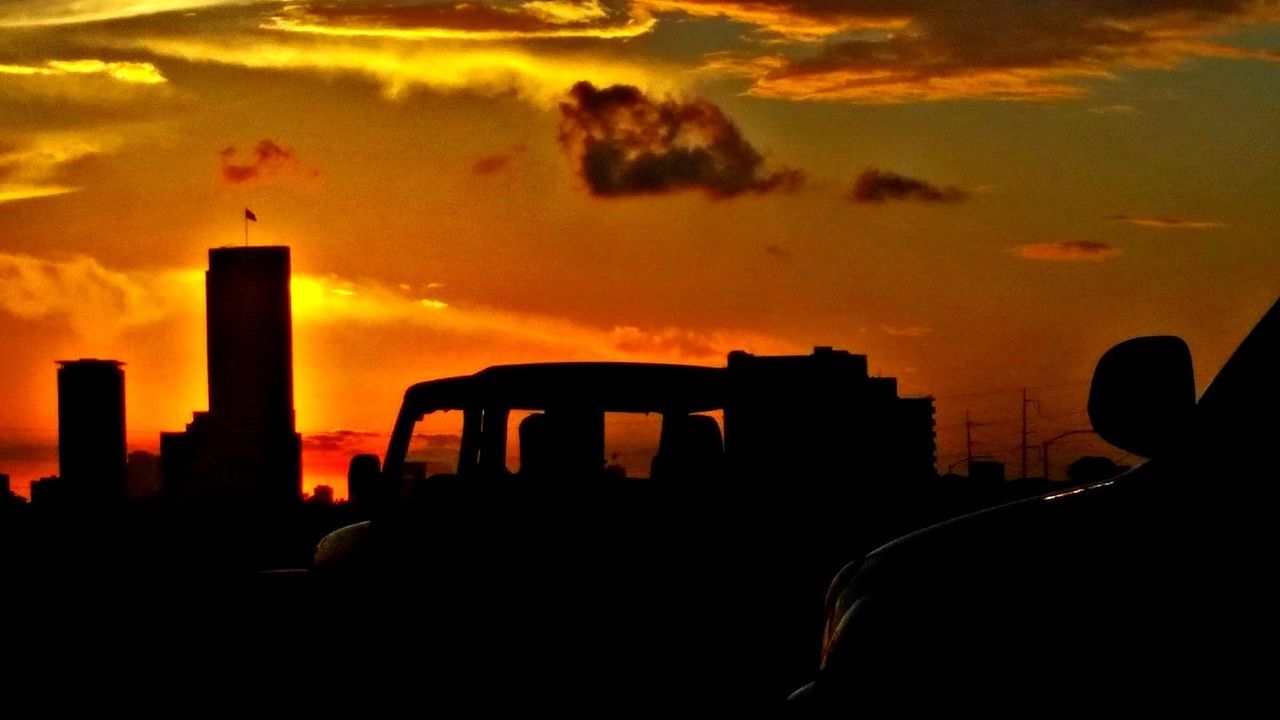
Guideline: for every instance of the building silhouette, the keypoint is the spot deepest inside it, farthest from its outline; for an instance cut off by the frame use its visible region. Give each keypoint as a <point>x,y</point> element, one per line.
<point>988,471</point>
<point>821,418</point>
<point>91,430</point>
<point>322,495</point>
<point>48,491</point>
<point>245,448</point>
<point>142,473</point>
<point>9,500</point>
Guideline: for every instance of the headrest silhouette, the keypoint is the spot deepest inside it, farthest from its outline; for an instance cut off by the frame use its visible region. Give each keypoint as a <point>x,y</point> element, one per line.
<point>691,449</point>
<point>536,446</point>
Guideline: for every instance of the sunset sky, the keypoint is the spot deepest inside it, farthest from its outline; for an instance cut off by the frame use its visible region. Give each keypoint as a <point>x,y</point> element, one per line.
<point>978,195</point>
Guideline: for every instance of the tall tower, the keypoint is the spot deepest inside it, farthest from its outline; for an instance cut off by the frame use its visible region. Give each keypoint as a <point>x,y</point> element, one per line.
<point>91,430</point>
<point>246,447</point>
<point>250,338</point>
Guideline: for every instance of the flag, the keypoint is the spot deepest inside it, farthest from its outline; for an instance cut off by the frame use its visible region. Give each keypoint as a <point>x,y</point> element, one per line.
<point>248,215</point>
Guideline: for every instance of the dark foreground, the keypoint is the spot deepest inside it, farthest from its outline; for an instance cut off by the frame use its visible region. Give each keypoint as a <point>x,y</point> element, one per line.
<point>1151,591</point>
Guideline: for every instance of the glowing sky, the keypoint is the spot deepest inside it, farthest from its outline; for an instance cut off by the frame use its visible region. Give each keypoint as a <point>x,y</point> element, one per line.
<point>978,195</point>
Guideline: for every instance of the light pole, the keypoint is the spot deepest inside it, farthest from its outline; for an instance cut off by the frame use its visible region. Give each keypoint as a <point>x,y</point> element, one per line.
<point>1044,447</point>
<point>966,461</point>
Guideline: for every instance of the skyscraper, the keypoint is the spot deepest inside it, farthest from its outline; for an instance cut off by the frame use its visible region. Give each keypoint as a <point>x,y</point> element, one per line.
<point>250,338</point>
<point>91,429</point>
<point>246,447</point>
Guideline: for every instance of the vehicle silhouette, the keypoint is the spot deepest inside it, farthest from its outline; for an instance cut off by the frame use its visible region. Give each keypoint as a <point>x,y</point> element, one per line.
<point>1154,587</point>
<point>757,466</point>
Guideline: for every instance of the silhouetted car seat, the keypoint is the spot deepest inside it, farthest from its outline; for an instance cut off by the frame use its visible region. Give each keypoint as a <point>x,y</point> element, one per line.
<point>690,449</point>
<point>535,446</point>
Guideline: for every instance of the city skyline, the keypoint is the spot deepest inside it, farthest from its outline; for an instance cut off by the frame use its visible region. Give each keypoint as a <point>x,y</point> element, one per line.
<point>994,220</point>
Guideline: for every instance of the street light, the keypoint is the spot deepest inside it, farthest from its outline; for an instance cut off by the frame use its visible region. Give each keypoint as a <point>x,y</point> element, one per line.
<point>964,460</point>
<point>1044,447</point>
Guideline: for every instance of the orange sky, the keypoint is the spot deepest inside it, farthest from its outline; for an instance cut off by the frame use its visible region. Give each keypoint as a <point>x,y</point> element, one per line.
<point>977,200</point>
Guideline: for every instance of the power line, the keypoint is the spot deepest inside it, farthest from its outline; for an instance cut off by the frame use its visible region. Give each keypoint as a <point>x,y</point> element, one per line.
<point>1012,390</point>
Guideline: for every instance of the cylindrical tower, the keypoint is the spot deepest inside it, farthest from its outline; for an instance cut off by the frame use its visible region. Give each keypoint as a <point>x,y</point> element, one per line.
<point>91,429</point>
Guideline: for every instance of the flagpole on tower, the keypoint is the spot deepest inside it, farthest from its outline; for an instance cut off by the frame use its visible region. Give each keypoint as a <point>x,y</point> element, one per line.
<point>248,215</point>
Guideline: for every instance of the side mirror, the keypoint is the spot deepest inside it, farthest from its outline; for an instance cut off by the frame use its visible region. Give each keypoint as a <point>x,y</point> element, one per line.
<point>363,473</point>
<point>1143,395</point>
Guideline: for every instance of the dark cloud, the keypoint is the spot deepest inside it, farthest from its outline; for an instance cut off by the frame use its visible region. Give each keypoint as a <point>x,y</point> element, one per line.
<point>1167,223</point>
<point>450,441</point>
<point>266,159</point>
<point>794,19</point>
<point>907,50</point>
<point>339,440</point>
<point>19,451</point>
<point>877,186</point>
<point>497,162</point>
<point>776,251</point>
<point>625,143</point>
<point>353,441</point>
<point>1118,109</point>
<point>1077,250</point>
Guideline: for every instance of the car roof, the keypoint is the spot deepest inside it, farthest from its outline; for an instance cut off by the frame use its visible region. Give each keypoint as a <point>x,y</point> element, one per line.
<point>607,386</point>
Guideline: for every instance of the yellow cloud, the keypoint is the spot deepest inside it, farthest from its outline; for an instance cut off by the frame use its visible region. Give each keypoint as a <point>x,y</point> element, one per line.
<point>143,73</point>
<point>13,191</point>
<point>31,166</point>
<point>99,302</point>
<point>96,301</point>
<point>558,20</point>
<point>36,13</point>
<point>318,300</point>
<point>541,78</point>
<point>565,12</point>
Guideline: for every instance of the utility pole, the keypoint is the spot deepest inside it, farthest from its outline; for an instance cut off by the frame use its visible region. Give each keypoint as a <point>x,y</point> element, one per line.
<point>969,425</point>
<point>968,440</point>
<point>1025,433</point>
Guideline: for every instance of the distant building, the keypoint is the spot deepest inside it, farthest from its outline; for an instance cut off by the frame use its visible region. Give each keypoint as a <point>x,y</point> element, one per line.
<point>323,495</point>
<point>814,418</point>
<point>48,491</point>
<point>990,471</point>
<point>246,447</point>
<point>9,500</point>
<point>91,430</point>
<point>142,473</point>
